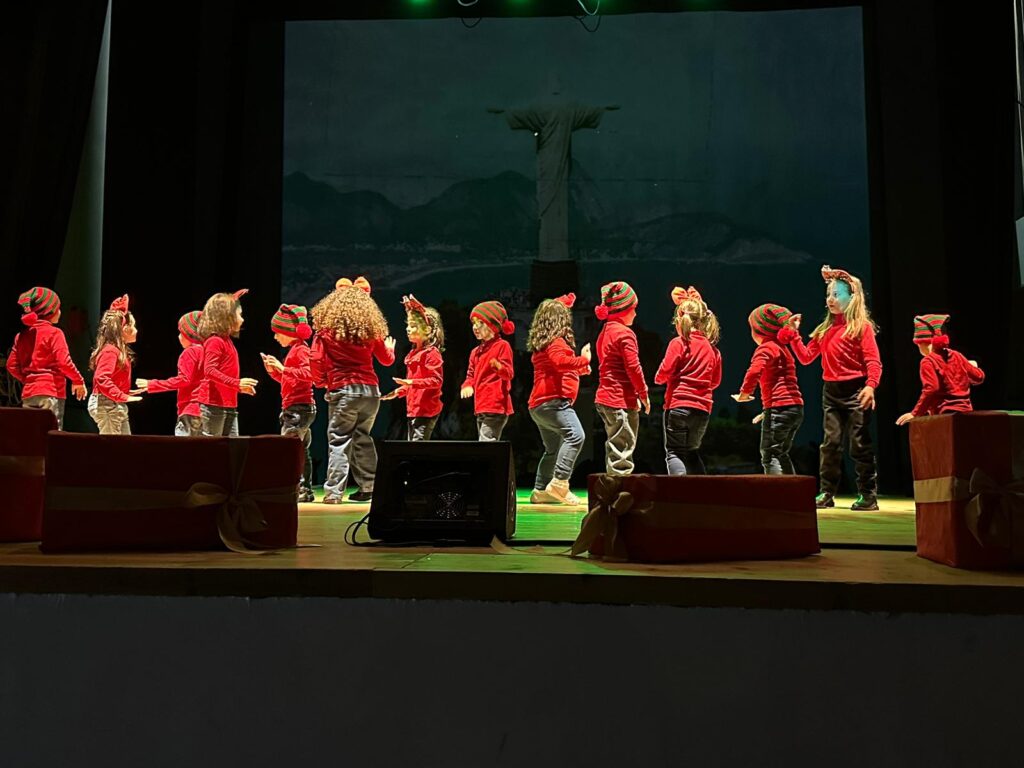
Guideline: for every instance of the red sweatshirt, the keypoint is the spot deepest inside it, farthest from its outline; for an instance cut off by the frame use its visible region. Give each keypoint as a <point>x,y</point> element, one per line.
<point>842,359</point>
<point>556,373</point>
<point>491,387</point>
<point>296,379</point>
<point>690,372</point>
<point>186,383</point>
<point>946,380</point>
<point>335,363</point>
<point>425,368</point>
<point>774,368</point>
<point>40,360</point>
<point>620,378</point>
<point>220,382</point>
<point>111,378</point>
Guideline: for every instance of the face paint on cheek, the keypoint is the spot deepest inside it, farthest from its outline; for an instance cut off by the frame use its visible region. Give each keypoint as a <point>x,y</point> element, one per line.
<point>843,294</point>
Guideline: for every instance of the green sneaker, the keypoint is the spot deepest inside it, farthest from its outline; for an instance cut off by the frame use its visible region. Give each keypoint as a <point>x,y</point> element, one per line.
<point>824,501</point>
<point>865,504</point>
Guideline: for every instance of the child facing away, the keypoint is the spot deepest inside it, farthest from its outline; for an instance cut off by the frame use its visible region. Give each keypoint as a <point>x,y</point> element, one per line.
<point>773,368</point>
<point>621,388</point>
<point>690,371</point>
<point>946,375</point>
<point>186,382</point>
<point>489,376</point>
<point>350,331</point>
<point>424,368</point>
<point>111,363</point>
<point>291,330</point>
<point>556,382</point>
<point>40,359</point>
<point>217,395</point>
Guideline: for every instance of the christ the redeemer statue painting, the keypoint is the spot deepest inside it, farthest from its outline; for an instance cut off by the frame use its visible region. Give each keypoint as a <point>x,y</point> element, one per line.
<point>553,126</point>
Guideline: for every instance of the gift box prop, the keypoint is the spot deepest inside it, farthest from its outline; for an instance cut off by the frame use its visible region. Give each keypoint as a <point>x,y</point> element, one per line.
<point>969,488</point>
<point>23,434</point>
<point>679,519</point>
<point>171,493</point>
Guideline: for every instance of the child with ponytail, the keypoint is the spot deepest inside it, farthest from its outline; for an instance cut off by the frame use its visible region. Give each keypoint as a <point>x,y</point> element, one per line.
<point>424,369</point>
<point>111,363</point>
<point>489,376</point>
<point>190,375</point>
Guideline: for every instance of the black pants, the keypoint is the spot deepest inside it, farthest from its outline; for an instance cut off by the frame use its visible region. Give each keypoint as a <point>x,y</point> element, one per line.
<point>778,428</point>
<point>846,422</point>
<point>421,427</point>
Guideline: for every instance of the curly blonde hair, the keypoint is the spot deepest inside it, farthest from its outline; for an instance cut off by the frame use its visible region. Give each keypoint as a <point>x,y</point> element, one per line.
<point>693,315</point>
<point>551,321</point>
<point>856,312</point>
<point>218,318</point>
<point>351,315</point>
<point>432,329</point>
<point>112,324</point>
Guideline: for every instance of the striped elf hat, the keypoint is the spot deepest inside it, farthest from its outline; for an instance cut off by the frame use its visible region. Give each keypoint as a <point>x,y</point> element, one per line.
<point>493,315</point>
<point>38,304</point>
<point>617,299</point>
<point>291,320</point>
<point>188,326</point>
<point>768,319</point>
<point>930,329</point>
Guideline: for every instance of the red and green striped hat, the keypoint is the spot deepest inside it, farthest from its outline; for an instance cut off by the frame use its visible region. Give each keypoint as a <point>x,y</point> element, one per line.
<point>493,315</point>
<point>768,319</point>
<point>291,320</point>
<point>927,328</point>
<point>38,304</point>
<point>188,326</point>
<point>617,299</point>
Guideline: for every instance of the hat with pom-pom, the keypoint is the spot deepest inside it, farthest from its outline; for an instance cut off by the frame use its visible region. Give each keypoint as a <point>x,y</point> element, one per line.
<point>617,299</point>
<point>493,315</point>
<point>291,320</point>
<point>38,304</point>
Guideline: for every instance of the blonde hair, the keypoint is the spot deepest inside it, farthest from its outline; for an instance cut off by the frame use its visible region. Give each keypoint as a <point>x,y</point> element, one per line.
<point>112,323</point>
<point>351,315</point>
<point>218,318</point>
<point>551,321</point>
<point>693,315</point>
<point>431,329</point>
<point>856,312</point>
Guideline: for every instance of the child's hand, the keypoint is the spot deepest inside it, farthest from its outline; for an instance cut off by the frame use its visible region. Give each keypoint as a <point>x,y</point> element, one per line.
<point>247,386</point>
<point>758,419</point>
<point>402,382</point>
<point>647,406</point>
<point>466,392</point>
<point>142,384</point>
<point>133,399</point>
<point>904,419</point>
<point>743,397</point>
<point>794,322</point>
<point>395,393</point>
<point>495,364</point>
<point>134,392</point>
<point>585,352</point>
<point>271,363</point>
<point>389,343</point>
<point>973,362</point>
<point>79,391</point>
<point>866,398</point>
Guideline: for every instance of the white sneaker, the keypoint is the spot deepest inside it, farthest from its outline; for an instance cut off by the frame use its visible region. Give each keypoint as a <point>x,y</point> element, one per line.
<point>559,490</point>
<point>542,497</point>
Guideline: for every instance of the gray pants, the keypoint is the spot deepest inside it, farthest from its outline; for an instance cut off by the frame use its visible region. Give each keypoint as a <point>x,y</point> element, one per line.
<point>489,426</point>
<point>684,430</point>
<point>218,421</point>
<point>351,412</point>
<point>562,435</point>
<point>421,427</point>
<point>297,420</point>
<point>188,426</point>
<point>620,426</point>
<point>43,402</point>
<point>110,417</point>
<point>778,428</point>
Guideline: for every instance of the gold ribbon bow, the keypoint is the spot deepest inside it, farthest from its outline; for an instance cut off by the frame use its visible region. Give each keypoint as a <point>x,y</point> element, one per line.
<point>608,503</point>
<point>995,513</point>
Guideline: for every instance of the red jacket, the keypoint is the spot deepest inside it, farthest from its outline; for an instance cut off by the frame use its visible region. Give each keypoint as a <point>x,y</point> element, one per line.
<point>425,368</point>
<point>491,386</point>
<point>620,378</point>
<point>690,372</point>
<point>946,380</point>
<point>186,383</point>
<point>220,382</point>
<point>40,360</point>
<point>556,373</point>
<point>335,363</point>
<point>111,378</point>
<point>296,379</point>
<point>774,368</point>
<point>842,359</point>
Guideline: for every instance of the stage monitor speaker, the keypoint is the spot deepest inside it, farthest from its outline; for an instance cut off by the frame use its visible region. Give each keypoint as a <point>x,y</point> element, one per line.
<point>443,491</point>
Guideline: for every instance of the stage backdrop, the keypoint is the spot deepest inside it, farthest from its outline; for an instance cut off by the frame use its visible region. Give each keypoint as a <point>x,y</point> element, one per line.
<point>722,150</point>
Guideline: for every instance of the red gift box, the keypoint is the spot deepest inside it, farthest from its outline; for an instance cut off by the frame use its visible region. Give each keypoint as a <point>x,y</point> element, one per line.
<point>107,492</point>
<point>969,488</point>
<point>699,518</point>
<point>22,460</point>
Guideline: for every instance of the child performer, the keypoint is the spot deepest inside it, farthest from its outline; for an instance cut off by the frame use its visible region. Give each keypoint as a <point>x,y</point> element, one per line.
<point>424,369</point>
<point>217,394</point>
<point>291,330</point>
<point>190,375</point>
<point>852,370</point>
<point>556,382</point>
<point>111,362</point>
<point>350,333</point>
<point>946,375</point>
<point>489,377</point>
<point>774,368</point>
<point>40,359</point>
<point>621,388</point>
<point>691,371</point>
